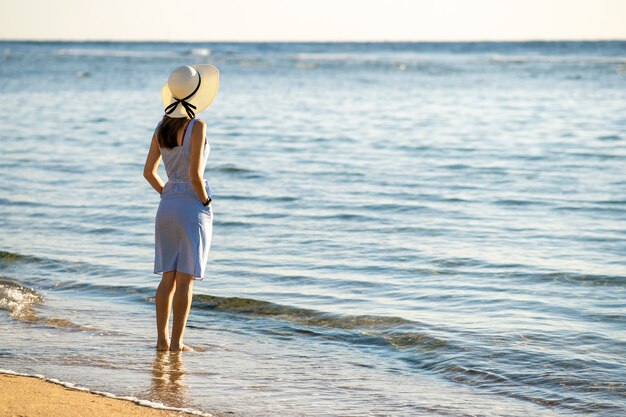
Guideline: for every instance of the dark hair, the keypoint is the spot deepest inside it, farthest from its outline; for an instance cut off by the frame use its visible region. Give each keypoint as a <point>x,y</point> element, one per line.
<point>169,127</point>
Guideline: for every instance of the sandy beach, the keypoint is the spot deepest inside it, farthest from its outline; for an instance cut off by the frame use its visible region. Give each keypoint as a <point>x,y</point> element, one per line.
<point>31,396</point>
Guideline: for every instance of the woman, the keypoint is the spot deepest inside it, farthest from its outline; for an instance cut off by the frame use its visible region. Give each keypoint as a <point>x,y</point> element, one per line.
<point>184,218</point>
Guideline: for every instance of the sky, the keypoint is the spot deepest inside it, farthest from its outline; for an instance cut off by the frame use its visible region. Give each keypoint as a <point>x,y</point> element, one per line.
<point>312,20</point>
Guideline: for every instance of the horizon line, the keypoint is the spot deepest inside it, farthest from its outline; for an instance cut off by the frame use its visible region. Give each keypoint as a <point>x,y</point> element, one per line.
<point>529,40</point>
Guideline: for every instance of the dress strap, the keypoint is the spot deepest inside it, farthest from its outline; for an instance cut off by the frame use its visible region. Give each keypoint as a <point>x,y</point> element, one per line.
<point>156,129</point>
<point>187,130</point>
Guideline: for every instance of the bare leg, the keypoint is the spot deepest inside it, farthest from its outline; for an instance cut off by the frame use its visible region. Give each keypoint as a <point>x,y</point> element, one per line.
<point>181,306</point>
<point>163,301</point>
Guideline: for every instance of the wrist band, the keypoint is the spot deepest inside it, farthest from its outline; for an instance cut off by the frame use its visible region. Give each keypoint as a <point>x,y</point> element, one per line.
<point>207,202</point>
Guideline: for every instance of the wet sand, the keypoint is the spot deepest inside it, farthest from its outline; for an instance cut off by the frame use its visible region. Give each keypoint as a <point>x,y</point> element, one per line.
<point>33,397</point>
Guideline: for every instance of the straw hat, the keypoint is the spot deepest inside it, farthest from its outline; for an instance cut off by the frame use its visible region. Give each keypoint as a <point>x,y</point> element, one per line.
<point>189,90</point>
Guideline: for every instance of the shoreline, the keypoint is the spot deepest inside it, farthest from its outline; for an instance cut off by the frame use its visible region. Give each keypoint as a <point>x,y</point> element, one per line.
<point>36,395</point>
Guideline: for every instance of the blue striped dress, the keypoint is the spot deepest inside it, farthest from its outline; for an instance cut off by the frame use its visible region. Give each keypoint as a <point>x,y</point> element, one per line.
<point>183,227</point>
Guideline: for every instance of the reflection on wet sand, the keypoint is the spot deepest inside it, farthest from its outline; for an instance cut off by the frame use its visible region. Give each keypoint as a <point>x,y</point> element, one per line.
<point>168,384</point>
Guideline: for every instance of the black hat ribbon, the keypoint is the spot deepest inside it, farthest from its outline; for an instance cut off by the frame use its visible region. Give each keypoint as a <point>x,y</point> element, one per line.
<point>188,106</point>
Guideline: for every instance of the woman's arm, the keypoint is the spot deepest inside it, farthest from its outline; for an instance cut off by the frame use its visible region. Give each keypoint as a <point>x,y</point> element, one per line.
<point>152,163</point>
<point>196,151</point>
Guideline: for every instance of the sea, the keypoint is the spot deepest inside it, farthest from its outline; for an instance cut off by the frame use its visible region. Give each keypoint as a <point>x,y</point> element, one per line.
<point>400,229</point>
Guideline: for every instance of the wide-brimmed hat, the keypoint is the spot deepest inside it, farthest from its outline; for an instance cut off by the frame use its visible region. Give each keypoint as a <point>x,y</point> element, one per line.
<point>189,90</point>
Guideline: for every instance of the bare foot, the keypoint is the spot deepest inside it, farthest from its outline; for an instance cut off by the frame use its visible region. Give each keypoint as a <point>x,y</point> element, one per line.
<point>162,346</point>
<point>181,348</point>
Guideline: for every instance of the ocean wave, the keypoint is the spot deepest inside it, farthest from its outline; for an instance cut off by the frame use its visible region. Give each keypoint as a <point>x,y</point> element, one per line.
<point>112,53</point>
<point>336,57</point>
<point>574,278</point>
<point>199,52</point>
<point>396,332</point>
<point>138,401</point>
<point>10,257</point>
<point>267,198</point>
<point>557,59</point>
<point>405,60</point>
<point>470,366</point>
<point>391,330</point>
<point>236,170</point>
<point>231,168</point>
<point>18,300</point>
<point>304,316</point>
<point>609,137</point>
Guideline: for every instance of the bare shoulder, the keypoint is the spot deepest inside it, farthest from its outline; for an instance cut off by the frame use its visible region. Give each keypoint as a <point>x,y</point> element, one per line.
<point>199,128</point>
<point>198,132</point>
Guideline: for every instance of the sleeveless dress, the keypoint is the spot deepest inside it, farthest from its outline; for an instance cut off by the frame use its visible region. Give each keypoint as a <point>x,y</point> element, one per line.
<point>183,227</point>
